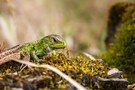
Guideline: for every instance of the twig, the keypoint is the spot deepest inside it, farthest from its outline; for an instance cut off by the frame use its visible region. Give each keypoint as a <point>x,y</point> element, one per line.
<point>73,82</point>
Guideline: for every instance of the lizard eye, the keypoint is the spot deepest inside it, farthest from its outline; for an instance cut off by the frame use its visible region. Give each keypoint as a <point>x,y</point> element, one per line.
<point>54,40</point>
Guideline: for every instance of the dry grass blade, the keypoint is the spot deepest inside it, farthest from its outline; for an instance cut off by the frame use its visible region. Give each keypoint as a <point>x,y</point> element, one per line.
<point>73,82</point>
<point>8,29</point>
<point>89,56</point>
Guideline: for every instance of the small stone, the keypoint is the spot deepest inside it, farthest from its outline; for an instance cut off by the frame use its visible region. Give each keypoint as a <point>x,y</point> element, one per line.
<point>114,73</point>
<point>131,87</point>
<point>112,84</point>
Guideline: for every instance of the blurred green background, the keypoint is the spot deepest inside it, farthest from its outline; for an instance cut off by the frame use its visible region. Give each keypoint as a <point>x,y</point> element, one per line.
<point>81,22</point>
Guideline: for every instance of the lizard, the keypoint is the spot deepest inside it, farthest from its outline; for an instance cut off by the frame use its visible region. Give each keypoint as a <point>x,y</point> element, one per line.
<point>35,50</point>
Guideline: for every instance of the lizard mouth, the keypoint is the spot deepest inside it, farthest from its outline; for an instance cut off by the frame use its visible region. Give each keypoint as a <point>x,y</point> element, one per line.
<point>59,46</point>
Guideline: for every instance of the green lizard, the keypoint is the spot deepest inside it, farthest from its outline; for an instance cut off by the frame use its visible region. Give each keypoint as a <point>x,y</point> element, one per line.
<point>35,49</point>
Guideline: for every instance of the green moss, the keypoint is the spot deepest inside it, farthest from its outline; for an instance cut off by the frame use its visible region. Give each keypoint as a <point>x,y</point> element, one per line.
<point>76,64</point>
<point>115,19</point>
<point>80,68</point>
<point>122,53</point>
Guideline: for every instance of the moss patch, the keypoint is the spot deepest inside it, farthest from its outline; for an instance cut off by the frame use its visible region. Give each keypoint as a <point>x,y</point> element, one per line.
<point>80,68</point>
<point>122,53</point>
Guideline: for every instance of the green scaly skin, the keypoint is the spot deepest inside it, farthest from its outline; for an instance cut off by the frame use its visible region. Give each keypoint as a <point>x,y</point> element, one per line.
<point>43,46</point>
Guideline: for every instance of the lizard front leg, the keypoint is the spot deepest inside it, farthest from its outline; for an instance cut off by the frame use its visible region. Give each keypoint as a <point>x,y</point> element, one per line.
<point>24,56</point>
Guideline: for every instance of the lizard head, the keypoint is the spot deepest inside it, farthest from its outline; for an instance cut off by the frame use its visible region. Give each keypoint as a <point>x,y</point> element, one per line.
<point>55,41</point>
